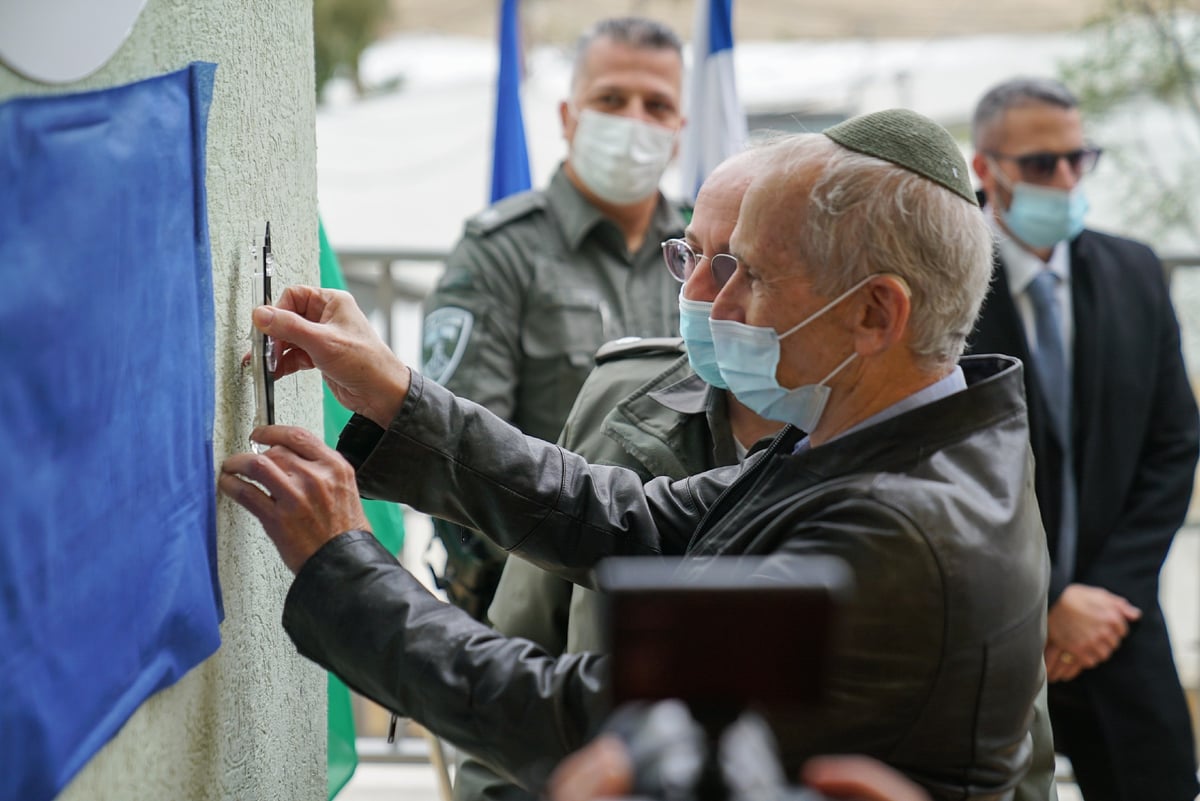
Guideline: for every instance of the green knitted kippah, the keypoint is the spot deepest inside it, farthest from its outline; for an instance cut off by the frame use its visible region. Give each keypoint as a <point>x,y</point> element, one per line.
<point>909,140</point>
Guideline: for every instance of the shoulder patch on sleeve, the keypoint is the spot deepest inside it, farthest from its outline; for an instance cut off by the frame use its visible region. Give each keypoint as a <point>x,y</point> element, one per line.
<point>627,347</point>
<point>443,341</point>
<point>505,211</point>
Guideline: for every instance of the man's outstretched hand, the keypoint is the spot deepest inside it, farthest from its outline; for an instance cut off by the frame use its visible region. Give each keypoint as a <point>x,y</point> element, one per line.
<point>325,329</point>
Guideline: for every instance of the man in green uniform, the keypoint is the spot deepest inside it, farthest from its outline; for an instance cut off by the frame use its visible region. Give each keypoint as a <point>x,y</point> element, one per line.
<point>645,408</point>
<point>541,279</point>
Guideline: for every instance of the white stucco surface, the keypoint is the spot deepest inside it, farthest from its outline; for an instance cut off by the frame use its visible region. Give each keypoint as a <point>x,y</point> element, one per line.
<point>249,723</point>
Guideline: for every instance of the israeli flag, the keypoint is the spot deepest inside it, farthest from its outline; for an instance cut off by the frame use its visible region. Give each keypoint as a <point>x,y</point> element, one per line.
<point>510,158</point>
<point>716,127</point>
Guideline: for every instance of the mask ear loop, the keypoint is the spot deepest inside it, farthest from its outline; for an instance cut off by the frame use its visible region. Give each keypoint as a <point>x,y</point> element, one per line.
<point>1005,182</point>
<point>828,306</point>
<point>903,284</point>
<point>997,173</point>
<point>1008,186</point>
<point>825,381</point>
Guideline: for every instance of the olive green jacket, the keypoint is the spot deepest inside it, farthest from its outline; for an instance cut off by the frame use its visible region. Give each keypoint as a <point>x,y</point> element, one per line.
<point>641,408</point>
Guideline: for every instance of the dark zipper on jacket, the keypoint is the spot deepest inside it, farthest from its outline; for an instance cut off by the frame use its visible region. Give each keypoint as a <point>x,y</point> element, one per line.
<point>767,452</point>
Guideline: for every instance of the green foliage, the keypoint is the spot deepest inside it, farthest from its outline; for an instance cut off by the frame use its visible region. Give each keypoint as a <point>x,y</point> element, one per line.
<point>342,30</point>
<point>1147,51</point>
<point>1140,48</point>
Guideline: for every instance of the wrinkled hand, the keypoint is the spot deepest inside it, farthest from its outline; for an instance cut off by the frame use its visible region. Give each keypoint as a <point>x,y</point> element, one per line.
<point>311,496</point>
<point>325,329</point>
<point>1084,627</point>
<point>602,769</point>
<point>859,778</point>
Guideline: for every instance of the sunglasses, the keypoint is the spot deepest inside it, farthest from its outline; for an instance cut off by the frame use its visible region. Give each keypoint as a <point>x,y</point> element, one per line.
<point>682,261</point>
<point>1039,167</point>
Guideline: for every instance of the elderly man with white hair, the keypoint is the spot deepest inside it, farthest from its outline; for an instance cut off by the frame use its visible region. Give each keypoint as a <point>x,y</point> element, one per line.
<point>857,269</point>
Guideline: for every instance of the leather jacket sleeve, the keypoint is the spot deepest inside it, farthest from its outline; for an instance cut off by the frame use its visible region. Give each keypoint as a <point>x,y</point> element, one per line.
<point>452,459</point>
<point>355,611</point>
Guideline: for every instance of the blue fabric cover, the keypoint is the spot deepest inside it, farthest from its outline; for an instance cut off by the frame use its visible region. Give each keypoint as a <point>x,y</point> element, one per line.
<point>108,585</point>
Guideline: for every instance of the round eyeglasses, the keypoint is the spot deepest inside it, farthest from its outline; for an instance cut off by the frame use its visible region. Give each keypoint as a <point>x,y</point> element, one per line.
<point>682,261</point>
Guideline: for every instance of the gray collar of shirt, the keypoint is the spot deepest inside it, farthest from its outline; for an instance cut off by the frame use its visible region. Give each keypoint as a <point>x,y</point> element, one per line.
<point>944,387</point>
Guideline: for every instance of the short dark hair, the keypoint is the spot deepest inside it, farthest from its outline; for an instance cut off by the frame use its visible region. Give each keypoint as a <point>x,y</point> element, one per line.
<point>636,32</point>
<point>1015,93</point>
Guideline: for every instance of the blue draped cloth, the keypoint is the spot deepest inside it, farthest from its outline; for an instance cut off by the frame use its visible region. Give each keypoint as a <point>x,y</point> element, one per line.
<point>108,584</point>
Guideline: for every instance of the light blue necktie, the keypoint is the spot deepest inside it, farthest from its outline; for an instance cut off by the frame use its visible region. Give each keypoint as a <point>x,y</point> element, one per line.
<point>1050,361</point>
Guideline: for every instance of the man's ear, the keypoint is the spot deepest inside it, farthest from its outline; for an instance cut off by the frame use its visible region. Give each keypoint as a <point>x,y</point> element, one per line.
<point>979,163</point>
<point>885,311</point>
<point>678,138</point>
<point>564,117</point>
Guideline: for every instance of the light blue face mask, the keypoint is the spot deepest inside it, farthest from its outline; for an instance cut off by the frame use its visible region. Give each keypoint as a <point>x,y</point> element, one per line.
<point>748,357</point>
<point>1041,216</point>
<point>697,336</point>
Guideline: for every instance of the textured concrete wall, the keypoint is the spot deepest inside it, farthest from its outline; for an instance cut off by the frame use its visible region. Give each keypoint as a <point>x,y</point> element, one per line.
<point>250,722</point>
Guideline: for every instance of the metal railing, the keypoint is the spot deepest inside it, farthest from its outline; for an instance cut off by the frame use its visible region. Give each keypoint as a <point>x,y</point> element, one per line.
<point>1178,262</point>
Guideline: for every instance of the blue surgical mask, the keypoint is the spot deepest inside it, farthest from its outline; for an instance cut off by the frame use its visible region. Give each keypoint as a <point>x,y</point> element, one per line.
<point>748,357</point>
<point>1041,216</point>
<point>697,336</point>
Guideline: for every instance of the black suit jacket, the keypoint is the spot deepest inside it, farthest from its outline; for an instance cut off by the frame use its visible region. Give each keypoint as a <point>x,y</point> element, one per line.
<point>1135,443</point>
<point>1135,419</point>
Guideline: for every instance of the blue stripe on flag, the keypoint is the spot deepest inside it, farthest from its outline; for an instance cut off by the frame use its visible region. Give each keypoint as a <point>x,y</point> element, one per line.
<point>716,126</point>
<point>720,25</point>
<point>510,158</point>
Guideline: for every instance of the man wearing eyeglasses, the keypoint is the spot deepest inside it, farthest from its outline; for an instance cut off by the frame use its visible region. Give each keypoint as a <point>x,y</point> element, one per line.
<point>1113,424</point>
<point>858,266</point>
<point>646,407</point>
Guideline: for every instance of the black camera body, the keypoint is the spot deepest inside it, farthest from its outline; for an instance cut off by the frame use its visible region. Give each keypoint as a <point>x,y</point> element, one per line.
<point>709,633</point>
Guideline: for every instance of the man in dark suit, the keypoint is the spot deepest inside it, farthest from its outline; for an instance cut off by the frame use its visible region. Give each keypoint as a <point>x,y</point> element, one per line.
<point>1114,428</point>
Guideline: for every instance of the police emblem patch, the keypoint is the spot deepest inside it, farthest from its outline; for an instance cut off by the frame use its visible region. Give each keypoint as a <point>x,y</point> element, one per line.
<point>443,341</point>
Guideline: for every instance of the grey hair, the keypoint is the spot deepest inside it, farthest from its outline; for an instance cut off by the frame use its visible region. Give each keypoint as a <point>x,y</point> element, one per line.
<point>1016,93</point>
<point>866,216</point>
<point>639,33</point>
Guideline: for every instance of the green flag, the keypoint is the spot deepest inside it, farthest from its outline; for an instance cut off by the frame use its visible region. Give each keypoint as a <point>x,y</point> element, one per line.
<point>387,521</point>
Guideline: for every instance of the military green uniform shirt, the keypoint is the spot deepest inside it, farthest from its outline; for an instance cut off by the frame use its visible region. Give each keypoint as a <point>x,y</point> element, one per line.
<point>538,282</point>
